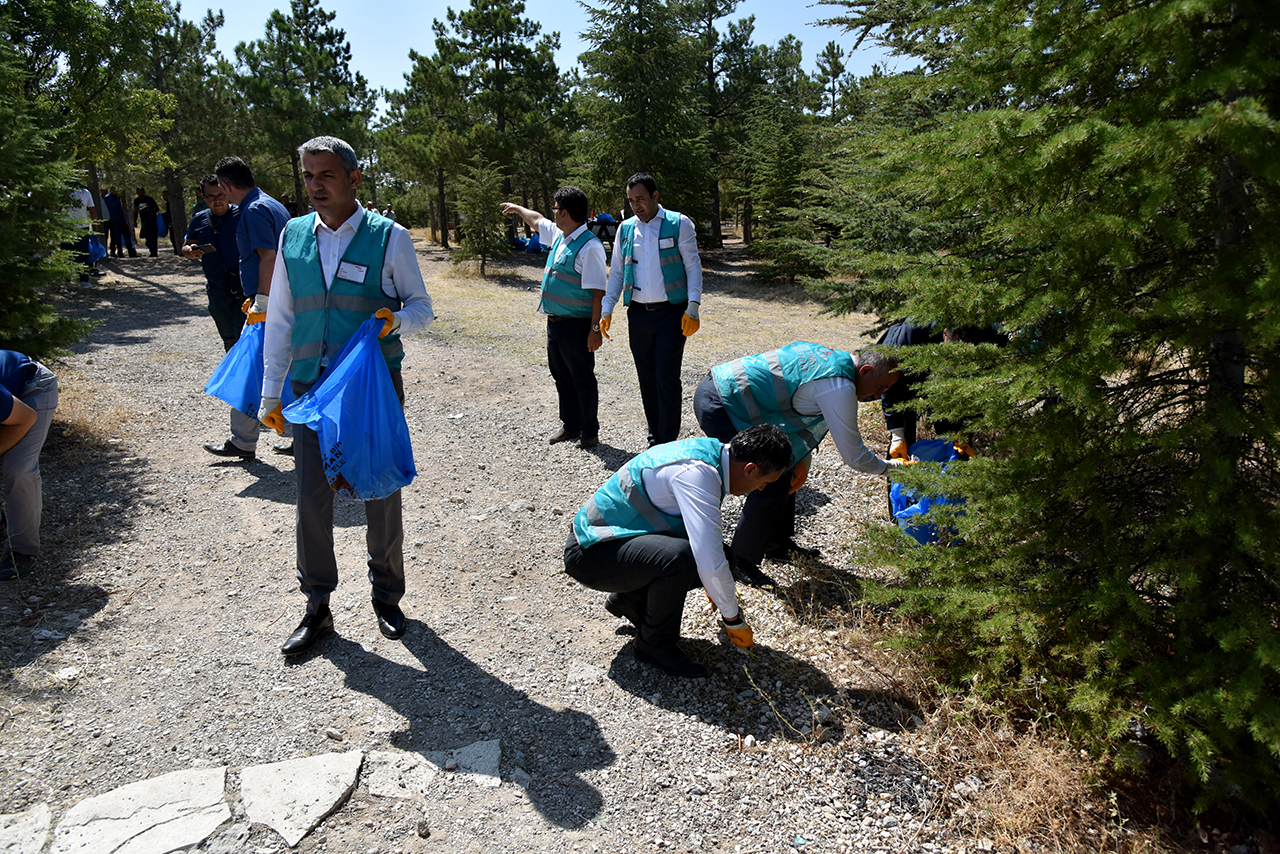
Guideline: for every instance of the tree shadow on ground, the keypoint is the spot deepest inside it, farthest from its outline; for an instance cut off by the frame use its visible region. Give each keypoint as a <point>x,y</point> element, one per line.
<point>452,702</point>
<point>87,480</point>
<point>133,302</point>
<point>766,693</point>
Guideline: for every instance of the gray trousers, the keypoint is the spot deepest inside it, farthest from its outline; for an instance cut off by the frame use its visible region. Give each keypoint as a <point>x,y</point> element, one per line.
<point>384,531</point>
<point>20,466</point>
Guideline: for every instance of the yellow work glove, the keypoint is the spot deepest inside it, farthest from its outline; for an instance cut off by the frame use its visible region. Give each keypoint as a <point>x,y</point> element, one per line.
<point>255,310</point>
<point>271,414</point>
<point>604,324</point>
<point>966,449</point>
<point>689,323</point>
<point>739,632</point>
<point>800,474</point>
<point>898,444</point>
<point>392,323</point>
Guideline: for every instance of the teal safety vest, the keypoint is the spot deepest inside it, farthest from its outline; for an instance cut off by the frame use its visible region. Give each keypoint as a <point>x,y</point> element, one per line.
<point>758,389</point>
<point>325,318</point>
<point>621,508</point>
<point>562,292</point>
<point>671,261</point>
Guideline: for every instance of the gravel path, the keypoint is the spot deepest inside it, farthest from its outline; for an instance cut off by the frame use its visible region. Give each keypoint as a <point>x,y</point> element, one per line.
<point>149,642</point>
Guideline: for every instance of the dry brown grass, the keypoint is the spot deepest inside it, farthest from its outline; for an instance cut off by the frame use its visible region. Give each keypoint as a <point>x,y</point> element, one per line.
<point>82,425</point>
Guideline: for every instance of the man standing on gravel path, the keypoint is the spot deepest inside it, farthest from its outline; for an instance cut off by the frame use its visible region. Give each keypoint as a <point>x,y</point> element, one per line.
<point>572,292</point>
<point>262,219</point>
<point>652,533</point>
<point>807,390</point>
<point>656,271</point>
<point>335,268</point>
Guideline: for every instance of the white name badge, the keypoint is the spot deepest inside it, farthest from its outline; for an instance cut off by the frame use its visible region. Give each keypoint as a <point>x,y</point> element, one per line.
<point>666,242</point>
<point>352,272</point>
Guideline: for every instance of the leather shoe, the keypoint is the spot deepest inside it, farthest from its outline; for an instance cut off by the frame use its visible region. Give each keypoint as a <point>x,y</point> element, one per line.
<point>783,552</point>
<point>588,441</point>
<point>750,574</point>
<point>283,450</point>
<point>311,629</point>
<point>623,608</point>
<point>391,620</point>
<point>670,660</point>
<point>226,449</point>
<point>565,435</point>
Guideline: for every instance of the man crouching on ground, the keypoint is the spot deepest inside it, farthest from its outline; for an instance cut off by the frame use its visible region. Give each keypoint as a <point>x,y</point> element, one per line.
<point>652,533</point>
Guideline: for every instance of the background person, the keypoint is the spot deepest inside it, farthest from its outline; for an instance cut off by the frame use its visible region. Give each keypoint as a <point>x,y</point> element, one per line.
<point>145,213</point>
<point>571,296</point>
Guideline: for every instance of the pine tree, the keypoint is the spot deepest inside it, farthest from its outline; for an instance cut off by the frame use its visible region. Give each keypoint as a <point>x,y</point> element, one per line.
<point>831,78</point>
<point>1105,184</point>
<point>35,185</point>
<point>484,231</point>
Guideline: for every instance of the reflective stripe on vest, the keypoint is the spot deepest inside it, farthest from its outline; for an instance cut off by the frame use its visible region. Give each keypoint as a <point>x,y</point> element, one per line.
<point>325,318</point>
<point>621,508</point>
<point>758,389</point>
<point>562,292</point>
<point>669,260</point>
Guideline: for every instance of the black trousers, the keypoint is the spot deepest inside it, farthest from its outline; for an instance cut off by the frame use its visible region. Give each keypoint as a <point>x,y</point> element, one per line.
<point>384,532</point>
<point>769,514</point>
<point>653,571</point>
<point>657,345</point>
<point>573,368</point>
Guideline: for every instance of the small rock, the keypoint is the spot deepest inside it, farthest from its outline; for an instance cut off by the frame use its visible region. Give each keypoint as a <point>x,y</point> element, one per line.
<point>749,741</point>
<point>451,765</point>
<point>521,777</point>
<point>333,733</point>
<point>424,829</point>
<point>888,821</point>
<point>522,504</point>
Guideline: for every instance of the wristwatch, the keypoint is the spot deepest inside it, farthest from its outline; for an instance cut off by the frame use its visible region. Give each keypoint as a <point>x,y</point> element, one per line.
<point>595,327</point>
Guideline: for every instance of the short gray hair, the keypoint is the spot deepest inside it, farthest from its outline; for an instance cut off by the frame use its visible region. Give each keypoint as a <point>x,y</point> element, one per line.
<point>331,145</point>
<point>879,358</point>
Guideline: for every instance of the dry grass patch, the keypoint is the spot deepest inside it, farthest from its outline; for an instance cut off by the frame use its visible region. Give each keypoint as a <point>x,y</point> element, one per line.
<point>82,424</point>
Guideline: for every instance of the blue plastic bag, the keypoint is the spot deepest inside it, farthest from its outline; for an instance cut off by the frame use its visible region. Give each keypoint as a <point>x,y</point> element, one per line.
<point>96,250</point>
<point>237,381</point>
<point>364,438</point>
<point>909,506</point>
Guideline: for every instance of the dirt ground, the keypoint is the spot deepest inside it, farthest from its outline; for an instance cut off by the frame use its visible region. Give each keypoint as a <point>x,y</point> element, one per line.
<point>148,641</point>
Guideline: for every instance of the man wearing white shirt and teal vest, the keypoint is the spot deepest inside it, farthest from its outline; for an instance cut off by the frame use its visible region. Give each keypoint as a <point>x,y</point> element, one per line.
<point>334,269</point>
<point>571,295</point>
<point>807,390</point>
<point>656,271</point>
<point>652,533</point>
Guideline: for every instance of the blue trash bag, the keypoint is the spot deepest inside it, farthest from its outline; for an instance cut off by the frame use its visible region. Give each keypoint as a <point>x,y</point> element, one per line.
<point>534,245</point>
<point>96,250</point>
<point>909,506</point>
<point>237,381</point>
<point>364,439</point>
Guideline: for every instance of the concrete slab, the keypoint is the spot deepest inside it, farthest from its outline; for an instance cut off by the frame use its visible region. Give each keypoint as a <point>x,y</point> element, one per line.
<point>156,816</point>
<point>292,797</point>
<point>400,774</point>
<point>480,761</point>
<point>25,832</point>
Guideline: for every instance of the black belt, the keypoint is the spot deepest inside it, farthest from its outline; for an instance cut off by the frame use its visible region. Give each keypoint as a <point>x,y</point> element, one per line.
<point>658,306</point>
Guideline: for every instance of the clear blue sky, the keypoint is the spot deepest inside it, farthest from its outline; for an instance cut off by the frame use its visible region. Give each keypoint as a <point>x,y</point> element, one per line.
<point>382,32</point>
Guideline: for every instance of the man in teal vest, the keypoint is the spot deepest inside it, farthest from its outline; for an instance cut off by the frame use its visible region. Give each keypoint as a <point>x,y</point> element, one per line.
<point>652,533</point>
<point>656,271</point>
<point>807,390</point>
<point>334,269</point>
<point>572,291</point>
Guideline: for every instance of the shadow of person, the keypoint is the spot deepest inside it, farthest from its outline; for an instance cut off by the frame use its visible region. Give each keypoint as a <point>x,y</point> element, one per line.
<point>450,702</point>
<point>767,694</point>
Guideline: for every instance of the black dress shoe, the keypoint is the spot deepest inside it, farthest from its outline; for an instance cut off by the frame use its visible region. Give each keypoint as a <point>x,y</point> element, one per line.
<point>226,449</point>
<point>783,552</point>
<point>750,574</point>
<point>669,659</point>
<point>623,608</point>
<point>564,435</point>
<point>588,441</point>
<point>311,629</point>
<point>284,450</point>
<point>391,620</point>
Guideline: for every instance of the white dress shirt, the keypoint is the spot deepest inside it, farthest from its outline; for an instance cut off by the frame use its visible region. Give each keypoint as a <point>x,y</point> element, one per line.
<point>649,286</point>
<point>589,262</point>
<point>836,400</point>
<point>691,489</point>
<point>401,277</point>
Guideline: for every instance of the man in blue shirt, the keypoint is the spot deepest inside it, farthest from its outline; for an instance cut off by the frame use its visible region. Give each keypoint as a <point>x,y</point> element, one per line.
<point>119,234</point>
<point>262,219</point>
<point>28,396</point>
